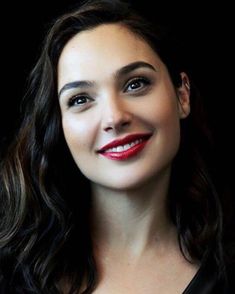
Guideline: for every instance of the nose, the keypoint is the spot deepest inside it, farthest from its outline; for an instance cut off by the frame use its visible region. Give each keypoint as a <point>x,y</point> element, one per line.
<point>116,115</point>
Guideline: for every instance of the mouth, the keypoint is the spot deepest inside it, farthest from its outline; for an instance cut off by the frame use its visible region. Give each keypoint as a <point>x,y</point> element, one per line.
<point>126,147</point>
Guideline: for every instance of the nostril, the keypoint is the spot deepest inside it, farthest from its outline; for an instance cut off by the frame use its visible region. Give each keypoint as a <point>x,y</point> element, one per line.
<point>117,126</point>
<point>126,123</point>
<point>117,122</point>
<point>108,129</point>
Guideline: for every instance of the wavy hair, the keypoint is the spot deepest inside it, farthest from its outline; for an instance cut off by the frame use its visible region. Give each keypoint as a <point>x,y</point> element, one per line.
<point>45,200</point>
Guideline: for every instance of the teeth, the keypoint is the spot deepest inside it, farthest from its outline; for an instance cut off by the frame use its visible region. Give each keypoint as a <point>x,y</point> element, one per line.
<point>125,147</point>
<point>120,148</point>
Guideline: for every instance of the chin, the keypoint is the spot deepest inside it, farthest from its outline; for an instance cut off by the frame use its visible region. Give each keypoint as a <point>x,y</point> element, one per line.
<point>117,184</point>
<point>133,181</point>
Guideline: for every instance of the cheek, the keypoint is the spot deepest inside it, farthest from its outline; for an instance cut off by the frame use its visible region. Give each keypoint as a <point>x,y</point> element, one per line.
<point>164,112</point>
<point>164,117</point>
<point>79,134</point>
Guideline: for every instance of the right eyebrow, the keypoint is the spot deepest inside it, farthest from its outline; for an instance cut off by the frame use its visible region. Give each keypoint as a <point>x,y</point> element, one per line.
<point>76,84</point>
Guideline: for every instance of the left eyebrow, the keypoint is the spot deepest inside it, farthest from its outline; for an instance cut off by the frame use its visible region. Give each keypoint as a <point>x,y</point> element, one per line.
<point>76,84</point>
<point>133,66</point>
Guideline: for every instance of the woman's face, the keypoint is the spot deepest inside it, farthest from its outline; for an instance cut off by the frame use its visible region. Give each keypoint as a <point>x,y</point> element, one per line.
<point>120,111</point>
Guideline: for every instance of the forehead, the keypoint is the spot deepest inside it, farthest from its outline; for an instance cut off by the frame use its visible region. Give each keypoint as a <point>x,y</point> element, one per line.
<point>104,48</point>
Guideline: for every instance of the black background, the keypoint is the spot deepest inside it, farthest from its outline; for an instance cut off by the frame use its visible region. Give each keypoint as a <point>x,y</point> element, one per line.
<point>207,28</point>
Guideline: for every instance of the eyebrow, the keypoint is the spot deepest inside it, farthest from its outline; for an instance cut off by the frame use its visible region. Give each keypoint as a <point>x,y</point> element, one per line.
<point>133,66</point>
<point>120,72</point>
<point>76,84</point>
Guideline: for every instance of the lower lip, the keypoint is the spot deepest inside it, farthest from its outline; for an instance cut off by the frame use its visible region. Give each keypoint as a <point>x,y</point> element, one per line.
<point>133,151</point>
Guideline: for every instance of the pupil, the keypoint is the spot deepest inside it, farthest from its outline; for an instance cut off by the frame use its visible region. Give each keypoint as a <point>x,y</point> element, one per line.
<point>135,85</point>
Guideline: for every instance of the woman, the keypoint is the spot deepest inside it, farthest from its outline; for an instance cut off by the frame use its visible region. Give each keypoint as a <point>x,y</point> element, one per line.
<point>106,188</point>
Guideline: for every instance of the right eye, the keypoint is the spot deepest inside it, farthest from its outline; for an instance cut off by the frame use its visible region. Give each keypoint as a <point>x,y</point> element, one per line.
<point>79,100</point>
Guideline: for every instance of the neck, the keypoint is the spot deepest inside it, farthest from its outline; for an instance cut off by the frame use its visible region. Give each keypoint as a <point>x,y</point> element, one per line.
<point>132,221</point>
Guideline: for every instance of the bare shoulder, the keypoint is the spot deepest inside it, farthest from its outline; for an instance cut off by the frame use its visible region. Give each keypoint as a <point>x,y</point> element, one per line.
<point>151,275</point>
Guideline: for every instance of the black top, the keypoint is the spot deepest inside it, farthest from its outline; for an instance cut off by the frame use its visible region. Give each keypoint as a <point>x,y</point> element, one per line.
<point>208,279</point>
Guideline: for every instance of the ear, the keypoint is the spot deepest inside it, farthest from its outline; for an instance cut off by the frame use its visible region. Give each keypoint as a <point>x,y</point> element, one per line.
<point>184,96</point>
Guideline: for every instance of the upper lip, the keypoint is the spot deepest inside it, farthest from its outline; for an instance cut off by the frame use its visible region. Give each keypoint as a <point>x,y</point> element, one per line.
<point>125,140</point>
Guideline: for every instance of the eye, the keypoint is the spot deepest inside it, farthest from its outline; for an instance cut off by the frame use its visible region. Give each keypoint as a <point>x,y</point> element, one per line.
<point>137,84</point>
<point>79,100</point>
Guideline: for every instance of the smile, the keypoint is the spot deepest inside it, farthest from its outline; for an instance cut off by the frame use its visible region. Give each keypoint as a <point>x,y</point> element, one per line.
<point>125,148</point>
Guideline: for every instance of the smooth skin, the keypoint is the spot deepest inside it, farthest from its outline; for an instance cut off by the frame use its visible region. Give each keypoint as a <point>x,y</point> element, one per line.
<point>112,84</point>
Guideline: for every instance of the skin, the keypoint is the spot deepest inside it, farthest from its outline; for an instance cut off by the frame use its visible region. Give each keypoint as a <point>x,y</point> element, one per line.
<point>129,216</point>
<point>115,113</point>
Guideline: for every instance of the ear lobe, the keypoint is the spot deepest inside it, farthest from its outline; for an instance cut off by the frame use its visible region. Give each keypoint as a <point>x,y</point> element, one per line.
<point>184,96</point>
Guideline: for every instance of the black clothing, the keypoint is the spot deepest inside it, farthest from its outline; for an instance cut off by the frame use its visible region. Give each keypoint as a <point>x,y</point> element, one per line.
<point>208,280</point>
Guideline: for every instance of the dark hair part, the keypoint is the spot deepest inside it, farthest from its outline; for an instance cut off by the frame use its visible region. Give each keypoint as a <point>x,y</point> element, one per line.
<point>44,223</point>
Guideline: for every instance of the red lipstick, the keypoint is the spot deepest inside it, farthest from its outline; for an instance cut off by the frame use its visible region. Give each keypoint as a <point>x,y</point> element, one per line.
<point>126,147</point>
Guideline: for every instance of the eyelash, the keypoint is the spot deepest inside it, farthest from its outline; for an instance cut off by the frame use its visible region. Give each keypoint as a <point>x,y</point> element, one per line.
<point>144,81</point>
<point>72,101</point>
<point>141,80</point>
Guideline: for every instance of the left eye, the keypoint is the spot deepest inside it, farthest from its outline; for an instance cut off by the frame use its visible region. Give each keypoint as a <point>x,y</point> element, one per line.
<point>136,84</point>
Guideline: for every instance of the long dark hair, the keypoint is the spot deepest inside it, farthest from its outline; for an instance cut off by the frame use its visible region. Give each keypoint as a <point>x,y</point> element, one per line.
<point>45,199</point>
